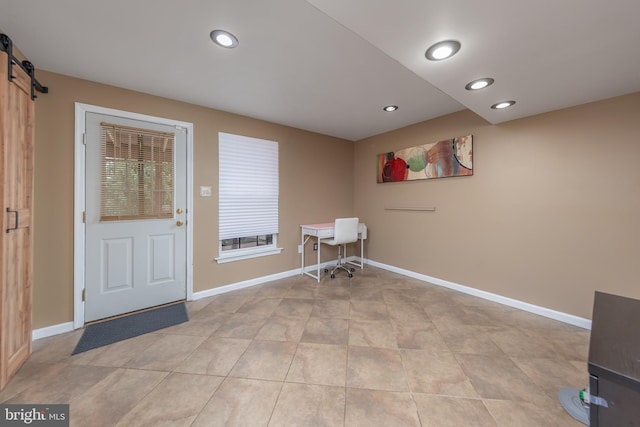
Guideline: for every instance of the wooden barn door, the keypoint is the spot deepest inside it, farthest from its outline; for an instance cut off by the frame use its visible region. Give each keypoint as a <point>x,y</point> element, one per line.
<point>16,193</point>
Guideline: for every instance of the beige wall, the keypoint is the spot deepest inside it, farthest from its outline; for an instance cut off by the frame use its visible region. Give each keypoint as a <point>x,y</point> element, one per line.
<point>316,177</point>
<point>549,216</point>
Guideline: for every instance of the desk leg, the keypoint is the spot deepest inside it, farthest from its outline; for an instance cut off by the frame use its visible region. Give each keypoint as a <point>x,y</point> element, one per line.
<point>319,245</point>
<point>302,267</point>
<point>361,263</point>
<point>302,253</point>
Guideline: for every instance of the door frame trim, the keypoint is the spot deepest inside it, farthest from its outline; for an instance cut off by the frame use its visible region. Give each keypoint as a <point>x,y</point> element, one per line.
<point>79,203</point>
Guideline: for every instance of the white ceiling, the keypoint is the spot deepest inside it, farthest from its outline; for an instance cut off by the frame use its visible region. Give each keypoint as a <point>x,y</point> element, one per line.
<point>329,66</point>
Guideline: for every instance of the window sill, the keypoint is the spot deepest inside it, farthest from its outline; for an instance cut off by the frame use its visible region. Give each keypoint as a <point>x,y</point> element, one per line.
<point>238,255</point>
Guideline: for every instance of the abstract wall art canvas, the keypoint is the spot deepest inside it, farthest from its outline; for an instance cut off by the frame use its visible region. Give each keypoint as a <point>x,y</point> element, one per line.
<point>451,157</point>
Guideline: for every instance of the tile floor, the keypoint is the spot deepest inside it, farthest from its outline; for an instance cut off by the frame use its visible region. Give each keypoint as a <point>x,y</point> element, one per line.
<point>380,349</point>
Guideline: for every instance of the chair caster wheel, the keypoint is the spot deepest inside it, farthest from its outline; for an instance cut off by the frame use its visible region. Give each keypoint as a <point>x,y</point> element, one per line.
<point>350,275</point>
<point>353,269</point>
<point>326,270</point>
<point>333,276</point>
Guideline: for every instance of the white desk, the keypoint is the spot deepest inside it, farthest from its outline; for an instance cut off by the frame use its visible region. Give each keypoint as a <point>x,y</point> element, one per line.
<point>325,231</point>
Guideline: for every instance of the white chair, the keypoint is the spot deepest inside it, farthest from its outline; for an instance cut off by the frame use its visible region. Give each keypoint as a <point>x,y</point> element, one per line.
<point>345,231</point>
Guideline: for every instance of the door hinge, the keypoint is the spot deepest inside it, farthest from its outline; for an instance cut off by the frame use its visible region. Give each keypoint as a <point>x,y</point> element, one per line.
<point>84,295</point>
<point>84,139</point>
<point>84,217</point>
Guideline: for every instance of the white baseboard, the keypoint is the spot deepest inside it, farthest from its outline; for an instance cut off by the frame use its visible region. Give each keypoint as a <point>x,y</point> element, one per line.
<point>531,308</point>
<point>542,311</point>
<point>244,284</point>
<point>256,281</point>
<point>49,331</point>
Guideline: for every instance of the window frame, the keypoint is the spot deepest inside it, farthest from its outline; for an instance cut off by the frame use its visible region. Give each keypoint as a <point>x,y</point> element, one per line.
<point>230,255</point>
<point>247,253</point>
<point>120,166</point>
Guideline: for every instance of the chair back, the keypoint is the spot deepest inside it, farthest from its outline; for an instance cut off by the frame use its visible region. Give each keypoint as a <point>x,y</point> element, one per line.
<point>345,230</point>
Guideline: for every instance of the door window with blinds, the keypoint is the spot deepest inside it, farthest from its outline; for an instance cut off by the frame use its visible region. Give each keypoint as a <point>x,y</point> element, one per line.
<point>248,197</point>
<point>137,173</point>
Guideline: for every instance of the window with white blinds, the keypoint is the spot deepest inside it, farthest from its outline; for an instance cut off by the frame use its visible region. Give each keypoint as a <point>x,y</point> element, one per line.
<point>248,196</point>
<point>137,173</point>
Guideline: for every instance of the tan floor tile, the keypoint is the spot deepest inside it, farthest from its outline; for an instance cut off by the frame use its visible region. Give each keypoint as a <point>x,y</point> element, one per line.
<point>498,313</point>
<point>419,336</point>
<point>552,374</point>
<point>334,289</point>
<point>458,315</point>
<point>240,403</point>
<point>225,303</point>
<point>573,351</point>
<point>368,310</point>
<point>278,289</point>
<point>116,354</point>
<point>303,291</point>
<point>279,328</point>
<point>436,373</point>
<point>326,331</point>
<point>534,323</point>
<point>368,278</point>
<point>259,306</point>
<point>31,374</point>
<point>508,413</point>
<point>367,293</point>
<point>195,306</point>
<point>407,313</point>
<point>265,360</point>
<point>113,397</point>
<point>294,338</point>
<point>69,382</point>
<point>517,344</point>
<point>570,344</point>
<point>196,327</point>
<point>372,334</point>
<point>294,307</point>
<point>215,356</point>
<point>405,296</point>
<point>374,408</point>
<point>214,318</point>
<point>444,411</point>
<point>397,296</point>
<point>166,353</point>
<point>319,364</point>
<point>468,339</point>
<point>176,401</point>
<point>330,308</point>
<point>462,299</point>
<point>240,325</point>
<point>55,349</point>
<point>309,405</point>
<point>496,377</point>
<point>581,366</point>
<point>249,291</point>
<point>439,308</point>
<point>376,368</point>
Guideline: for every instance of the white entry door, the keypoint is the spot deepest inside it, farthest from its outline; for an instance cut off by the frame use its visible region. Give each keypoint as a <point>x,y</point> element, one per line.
<point>135,248</point>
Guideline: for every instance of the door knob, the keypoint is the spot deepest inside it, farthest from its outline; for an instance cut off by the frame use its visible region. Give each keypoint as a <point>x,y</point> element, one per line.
<point>179,223</point>
<point>179,211</point>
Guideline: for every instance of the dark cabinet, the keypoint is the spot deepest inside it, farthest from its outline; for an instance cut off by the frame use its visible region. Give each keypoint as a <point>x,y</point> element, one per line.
<point>614,361</point>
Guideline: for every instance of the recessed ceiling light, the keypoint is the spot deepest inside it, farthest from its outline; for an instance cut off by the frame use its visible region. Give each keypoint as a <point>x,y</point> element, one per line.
<point>224,38</point>
<point>503,104</point>
<point>390,108</point>
<point>442,50</point>
<point>479,83</point>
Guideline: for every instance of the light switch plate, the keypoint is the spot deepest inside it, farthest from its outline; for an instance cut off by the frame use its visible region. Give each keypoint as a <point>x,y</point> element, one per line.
<point>205,191</point>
